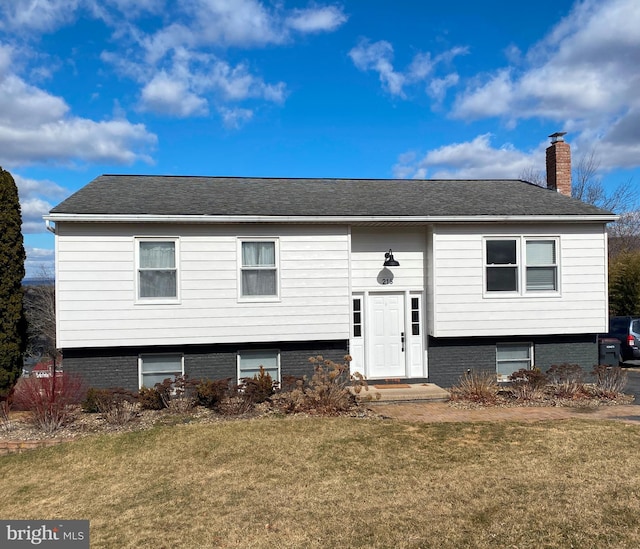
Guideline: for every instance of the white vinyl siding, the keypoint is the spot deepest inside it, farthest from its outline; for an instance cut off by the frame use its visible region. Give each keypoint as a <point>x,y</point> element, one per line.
<point>368,247</point>
<point>579,305</point>
<point>97,293</point>
<point>156,368</point>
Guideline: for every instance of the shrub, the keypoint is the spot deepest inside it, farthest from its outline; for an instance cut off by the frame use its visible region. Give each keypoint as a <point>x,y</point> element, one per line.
<point>210,393</point>
<point>178,395</point>
<point>610,381</point>
<point>234,403</point>
<point>566,380</point>
<point>258,388</point>
<point>50,400</point>
<point>90,402</point>
<point>116,406</point>
<point>528,384</point>
<point>326,393</point>
<point>150,398</point>
<point>476,386</point>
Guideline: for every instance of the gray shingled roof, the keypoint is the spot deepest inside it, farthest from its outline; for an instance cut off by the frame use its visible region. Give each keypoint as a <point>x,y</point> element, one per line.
<point>187,195</point>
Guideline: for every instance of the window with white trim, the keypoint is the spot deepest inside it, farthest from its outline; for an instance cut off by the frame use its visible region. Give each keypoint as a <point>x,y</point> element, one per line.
<point>542,265</point>
<point>502,265</point>
<point>156,368</point>
<point>249,363</point>
<point>357,317</point>
<point>258,268</point>
<point>157,269</point>
<point>511,357</point>
<point>521,265</point>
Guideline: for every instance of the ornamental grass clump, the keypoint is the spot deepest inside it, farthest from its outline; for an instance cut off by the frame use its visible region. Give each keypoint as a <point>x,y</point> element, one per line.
<point>567,381</point>
<point>610,381</point>
<point>480,387</point>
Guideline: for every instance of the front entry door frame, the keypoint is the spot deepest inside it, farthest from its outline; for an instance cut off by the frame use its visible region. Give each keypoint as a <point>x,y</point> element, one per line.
<point>366,359</point>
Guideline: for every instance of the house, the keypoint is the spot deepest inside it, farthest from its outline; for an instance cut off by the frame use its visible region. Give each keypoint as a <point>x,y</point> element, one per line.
<point>416,280</point>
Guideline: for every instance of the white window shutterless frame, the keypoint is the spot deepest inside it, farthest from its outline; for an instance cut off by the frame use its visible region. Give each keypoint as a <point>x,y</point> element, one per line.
<point>157,276</point>
<point>258,269</point>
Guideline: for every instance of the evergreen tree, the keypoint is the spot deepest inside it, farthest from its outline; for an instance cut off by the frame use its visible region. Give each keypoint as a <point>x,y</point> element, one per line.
<point>13,327</point>
<point>624,284</point>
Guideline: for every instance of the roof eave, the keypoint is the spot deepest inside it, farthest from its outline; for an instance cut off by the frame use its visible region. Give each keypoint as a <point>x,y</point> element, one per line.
<point>226,219</point>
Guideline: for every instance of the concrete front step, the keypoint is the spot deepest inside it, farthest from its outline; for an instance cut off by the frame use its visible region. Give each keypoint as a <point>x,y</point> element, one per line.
<point>400,392</point>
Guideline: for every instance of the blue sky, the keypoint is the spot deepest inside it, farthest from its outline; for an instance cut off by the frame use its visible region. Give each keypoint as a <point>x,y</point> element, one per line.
<point>373,89</point>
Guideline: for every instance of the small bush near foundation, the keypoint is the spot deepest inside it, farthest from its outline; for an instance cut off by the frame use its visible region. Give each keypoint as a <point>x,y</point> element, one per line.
<point>116,406</point>
<point>179,394</point>
<point>566,380</point>
<point>528,384</point>
<point>235,403</point>
<point>50,400</point>
<point>326,393</point>
<point>610,381</point>
<point>476,386</point>
<point>150,398</point>
<point>258,388</point>
<point>92,398</point>
<point>210,393</point>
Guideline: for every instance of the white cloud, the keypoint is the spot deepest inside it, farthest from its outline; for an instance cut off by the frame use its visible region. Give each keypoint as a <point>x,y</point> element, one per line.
<point>235,118</point>
<point>476,159</point>
<point>36,126</point>
<point>39,262</point>
<point>586,69</point>
<point>193,80</point>
<point>37,15</point>
<point>320,19</point>
<point>438,86</point>
<point>169,96</point>
<point>378,57</point>
<point>34,195</point>
<point>32,211</point>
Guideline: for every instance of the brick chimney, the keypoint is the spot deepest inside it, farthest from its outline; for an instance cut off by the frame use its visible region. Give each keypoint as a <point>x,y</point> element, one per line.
<point>559,164</point>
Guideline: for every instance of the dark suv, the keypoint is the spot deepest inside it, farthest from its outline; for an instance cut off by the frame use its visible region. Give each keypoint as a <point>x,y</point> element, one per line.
<point>627,330</point>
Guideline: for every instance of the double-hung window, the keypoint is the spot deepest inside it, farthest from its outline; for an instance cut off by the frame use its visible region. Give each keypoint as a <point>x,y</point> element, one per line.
<point>258,269</point>
<point>542,265</point>
<point>521,265</point>
<point>156,368</point>
<point>157,269</point>
<point>249,363</point>
<point>511,357</point>
<point>502,265</point>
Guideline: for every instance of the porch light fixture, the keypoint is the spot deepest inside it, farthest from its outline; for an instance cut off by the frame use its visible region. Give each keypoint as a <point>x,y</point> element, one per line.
<point>389,261</point>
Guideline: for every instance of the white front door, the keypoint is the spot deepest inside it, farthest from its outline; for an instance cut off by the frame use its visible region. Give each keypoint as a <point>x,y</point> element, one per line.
<point>387,333</point>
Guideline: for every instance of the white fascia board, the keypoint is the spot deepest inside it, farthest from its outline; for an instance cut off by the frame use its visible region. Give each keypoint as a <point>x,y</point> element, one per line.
<point>143,218</point>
